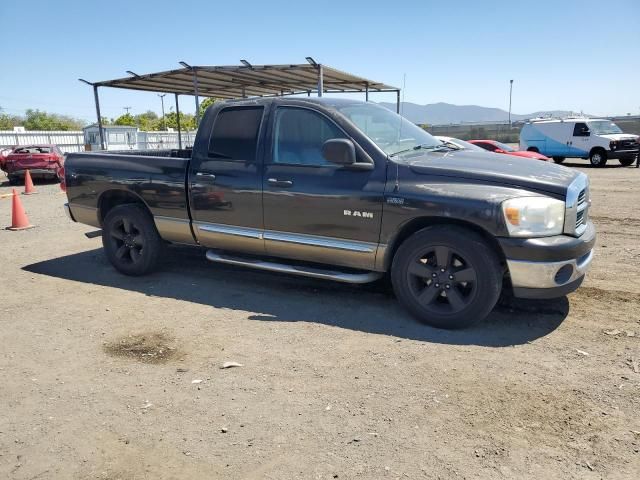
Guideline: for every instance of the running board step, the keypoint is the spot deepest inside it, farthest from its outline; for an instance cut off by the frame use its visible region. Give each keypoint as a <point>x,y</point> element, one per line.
<point>364,277</point>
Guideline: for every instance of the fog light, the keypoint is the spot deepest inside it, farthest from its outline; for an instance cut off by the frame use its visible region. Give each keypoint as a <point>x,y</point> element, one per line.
<point>564,274</point>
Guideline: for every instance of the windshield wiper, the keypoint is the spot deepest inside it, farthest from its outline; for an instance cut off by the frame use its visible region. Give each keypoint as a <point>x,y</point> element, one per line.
<point>433,148</point>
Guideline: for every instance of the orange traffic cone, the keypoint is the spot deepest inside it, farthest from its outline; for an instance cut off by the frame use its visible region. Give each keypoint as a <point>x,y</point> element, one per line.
<point>19,220</point>
<point>29,189</point>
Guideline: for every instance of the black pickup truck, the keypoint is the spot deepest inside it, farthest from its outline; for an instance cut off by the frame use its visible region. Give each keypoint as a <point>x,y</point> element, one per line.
<point>347,191</point>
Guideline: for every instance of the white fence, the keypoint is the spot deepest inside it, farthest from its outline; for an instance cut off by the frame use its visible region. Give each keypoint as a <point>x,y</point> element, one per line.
<point>75,141</point>
<point>67,141</point>
<point>164,140</point>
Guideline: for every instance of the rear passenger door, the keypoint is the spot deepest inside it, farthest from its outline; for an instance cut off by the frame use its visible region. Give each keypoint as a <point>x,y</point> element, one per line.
<point>225,184</point>
<point>315,210</point>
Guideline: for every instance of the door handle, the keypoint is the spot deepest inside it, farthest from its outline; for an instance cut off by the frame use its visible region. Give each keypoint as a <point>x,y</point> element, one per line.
<point>208,176</point>
<point>274,182</point>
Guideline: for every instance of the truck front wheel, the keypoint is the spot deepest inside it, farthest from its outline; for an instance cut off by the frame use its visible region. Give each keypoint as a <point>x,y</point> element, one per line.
<point>598,157</point>
<point>130,240</point>
<point>446,276</point>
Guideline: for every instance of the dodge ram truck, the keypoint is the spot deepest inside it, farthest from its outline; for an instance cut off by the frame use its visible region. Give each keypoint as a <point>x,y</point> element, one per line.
<point>348,191</point>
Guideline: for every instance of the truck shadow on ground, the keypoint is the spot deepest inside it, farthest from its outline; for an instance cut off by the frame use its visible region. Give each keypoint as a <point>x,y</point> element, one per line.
<point>186,275</point>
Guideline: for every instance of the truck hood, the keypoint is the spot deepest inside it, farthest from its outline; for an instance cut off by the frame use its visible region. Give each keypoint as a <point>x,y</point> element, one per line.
<point>503,169</point>
<point>620,136</point>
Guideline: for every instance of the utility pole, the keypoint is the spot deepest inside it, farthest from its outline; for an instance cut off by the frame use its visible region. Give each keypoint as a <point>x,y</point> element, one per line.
<point>127,109</point>
<point>510,92</point>
<point>164,125</point>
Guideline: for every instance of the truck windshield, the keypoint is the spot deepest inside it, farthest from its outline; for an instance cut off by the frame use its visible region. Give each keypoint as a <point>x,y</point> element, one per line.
<point>603,127</point>
<point>391,132</point>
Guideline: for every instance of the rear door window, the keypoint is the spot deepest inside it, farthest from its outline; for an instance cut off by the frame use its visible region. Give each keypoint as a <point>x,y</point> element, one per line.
<point>235,134</point>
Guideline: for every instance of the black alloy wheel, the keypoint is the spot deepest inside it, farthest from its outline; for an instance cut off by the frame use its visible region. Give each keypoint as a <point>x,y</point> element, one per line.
<point>130,240</point>
<point>447,276</point>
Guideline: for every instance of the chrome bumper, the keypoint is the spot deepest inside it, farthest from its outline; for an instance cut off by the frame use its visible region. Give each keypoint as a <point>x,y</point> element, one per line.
<point>540,275</point>
<point>548,274</point>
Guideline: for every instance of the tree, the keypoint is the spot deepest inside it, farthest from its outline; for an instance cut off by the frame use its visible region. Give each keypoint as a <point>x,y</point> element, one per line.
<point>206,103</point>
<point>148,121</point>
<point>7,122</point>
<point>39,120</point>
<point>126,119</point>
<point>187,121</point>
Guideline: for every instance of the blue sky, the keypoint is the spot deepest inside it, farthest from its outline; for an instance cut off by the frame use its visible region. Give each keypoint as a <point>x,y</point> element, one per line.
<point>573,55</point>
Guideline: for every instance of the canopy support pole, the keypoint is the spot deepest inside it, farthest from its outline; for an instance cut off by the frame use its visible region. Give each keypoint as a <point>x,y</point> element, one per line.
<point>320,80</point>
<point>100,129</point>
<point>366,92</point>
<point>195,90</point>
<point>398,101</point>
<point>178,121</point>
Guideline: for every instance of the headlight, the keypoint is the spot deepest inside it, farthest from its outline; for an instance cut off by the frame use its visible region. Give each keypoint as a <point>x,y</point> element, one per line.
<point>533,216</point>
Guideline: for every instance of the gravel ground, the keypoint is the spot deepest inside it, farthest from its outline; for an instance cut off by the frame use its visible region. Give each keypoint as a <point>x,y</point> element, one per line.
<point>109,377</point>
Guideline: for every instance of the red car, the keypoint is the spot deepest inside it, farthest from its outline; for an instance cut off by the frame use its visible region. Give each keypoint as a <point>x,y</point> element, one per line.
<point>498,147</point>
<point>42,161</point>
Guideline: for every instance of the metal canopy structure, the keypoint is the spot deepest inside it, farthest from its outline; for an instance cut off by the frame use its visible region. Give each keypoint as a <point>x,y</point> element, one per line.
<point>243,81</point>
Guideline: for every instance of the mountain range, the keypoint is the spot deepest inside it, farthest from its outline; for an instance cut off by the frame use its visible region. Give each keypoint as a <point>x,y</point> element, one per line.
<point>446,113</point>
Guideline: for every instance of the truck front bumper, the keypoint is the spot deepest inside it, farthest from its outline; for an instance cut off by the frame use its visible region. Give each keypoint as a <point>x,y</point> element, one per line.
<point>548,267</point>
<point>623,154</point>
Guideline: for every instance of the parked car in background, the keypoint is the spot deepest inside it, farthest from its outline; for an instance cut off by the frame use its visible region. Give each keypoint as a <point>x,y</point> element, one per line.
<point>460,144</point>
<point>4,152</point>
<point>594,138</point>
<point>42,161</point>
<point>497,147</point>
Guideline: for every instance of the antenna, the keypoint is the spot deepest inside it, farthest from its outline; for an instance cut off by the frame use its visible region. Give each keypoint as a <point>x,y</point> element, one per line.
<point>404,89</point>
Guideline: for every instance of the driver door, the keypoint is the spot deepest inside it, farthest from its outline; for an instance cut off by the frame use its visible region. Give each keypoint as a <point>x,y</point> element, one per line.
<point>315,210</point>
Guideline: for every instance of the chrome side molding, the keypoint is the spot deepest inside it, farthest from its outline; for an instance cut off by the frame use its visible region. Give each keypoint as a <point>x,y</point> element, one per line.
<point>316,241</point>
<point>313,272</point>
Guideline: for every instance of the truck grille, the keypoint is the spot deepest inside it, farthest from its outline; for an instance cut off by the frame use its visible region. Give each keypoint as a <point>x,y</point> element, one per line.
<point>581,211</point>
<point>627,145</point>
<point>577,206</point>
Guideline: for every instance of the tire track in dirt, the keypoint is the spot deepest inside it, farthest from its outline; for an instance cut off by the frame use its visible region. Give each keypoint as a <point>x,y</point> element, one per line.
<point>600,295</point>
<point>623,221</point>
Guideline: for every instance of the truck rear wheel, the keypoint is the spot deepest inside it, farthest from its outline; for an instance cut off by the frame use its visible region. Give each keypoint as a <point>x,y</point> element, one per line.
<point>558,159</point>
<point>625,162</point>
<point>130,240</point>
<point>447,276</point>
<point>598,158</point>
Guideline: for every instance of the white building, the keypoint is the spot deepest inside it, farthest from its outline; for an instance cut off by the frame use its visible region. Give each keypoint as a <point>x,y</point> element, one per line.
<point>122,137</point>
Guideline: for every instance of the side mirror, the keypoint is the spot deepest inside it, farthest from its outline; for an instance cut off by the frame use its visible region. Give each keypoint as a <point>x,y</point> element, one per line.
<point>339,151</point>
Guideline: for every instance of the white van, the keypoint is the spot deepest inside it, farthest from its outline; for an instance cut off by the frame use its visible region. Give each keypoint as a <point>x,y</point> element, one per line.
<point>594,138</point>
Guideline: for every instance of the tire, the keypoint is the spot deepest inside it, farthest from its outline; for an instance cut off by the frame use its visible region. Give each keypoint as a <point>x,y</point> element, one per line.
<point>625,162</point>
<point>533,149</point>
<point>14,180</point>
<point>598,158</point>
<point>130,240</point>
<point>437,261</point>
<point>559,159</point>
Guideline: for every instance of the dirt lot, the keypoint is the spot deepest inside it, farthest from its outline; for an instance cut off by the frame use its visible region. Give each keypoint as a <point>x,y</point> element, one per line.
<point>108,377</point>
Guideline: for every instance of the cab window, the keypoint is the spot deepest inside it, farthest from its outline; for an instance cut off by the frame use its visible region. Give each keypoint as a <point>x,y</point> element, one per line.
<point>580,130</point>
<point>235,134</point>
<point>299,135</point>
